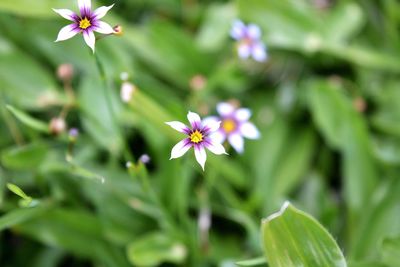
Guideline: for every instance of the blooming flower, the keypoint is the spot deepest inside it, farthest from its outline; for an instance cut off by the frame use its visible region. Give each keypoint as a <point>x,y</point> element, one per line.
<point>234,126</point>
<point>198,137</point>
<point>249,43</point>
<point>86,23</point>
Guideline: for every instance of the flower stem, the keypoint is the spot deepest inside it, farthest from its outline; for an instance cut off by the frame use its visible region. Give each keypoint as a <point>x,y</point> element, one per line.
<point>127,154</point>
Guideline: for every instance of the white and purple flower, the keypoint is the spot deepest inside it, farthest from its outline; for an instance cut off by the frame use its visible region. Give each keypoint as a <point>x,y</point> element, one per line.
<point>234,126</point>
<point>249,41</point>
<point>198,137</point>
<point>86,23</point>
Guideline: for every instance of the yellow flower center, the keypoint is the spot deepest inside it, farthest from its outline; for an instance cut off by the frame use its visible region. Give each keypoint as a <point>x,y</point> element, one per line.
<point>196,137</point>
<point>84,23</point>
<point>228,125</point>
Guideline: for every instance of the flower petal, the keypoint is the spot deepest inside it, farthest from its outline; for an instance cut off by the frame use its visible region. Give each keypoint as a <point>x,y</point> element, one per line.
<point>225,109</point>
<point>211,126</point>
<point>85,6</point>
<point>66,13</point>
<point>250,131</point>
<point>103,28</point>
<point>214,147</point>
<point>244,51</point>
<point>259,52</point>
<point>102,11</point>
<point>238,30</point>
<point>236,141</point>
<point>179,126</point>
<point>90,39</point>
<point>253,31</point>
<point>194,120</point>
<point>180,149</point>
<point>201,155</point>
<point>67,32</point>
<point>242,114</point>
<point>218,137</point>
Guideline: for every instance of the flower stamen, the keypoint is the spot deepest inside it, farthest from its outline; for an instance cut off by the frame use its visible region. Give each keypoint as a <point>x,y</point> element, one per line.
<point>84,23</point>
<point>229,125</point>
<point>196,137</point>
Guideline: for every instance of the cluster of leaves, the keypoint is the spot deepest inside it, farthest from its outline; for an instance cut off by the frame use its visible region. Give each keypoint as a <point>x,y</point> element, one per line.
<point>326,102</point>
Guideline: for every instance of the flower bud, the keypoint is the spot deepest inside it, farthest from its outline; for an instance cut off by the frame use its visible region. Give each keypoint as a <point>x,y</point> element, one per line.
<point>118,30</point>
<point>145,159</point>
<point>65,72</point>
<point>197,82</point>
<point>57,126</point>
<point>127,90</point>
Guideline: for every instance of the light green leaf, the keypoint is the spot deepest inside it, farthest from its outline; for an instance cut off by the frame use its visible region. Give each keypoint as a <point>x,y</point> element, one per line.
<point>154,249</point>
<point>18,191</point>
<point>29,120</point>
<point>292,238</point>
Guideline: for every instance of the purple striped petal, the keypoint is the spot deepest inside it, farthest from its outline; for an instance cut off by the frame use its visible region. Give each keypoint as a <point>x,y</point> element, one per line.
<point>66,13</point>
<point>85,7</point>
<point>194,120</point>
<point>101,11</point>
<point>90,39</point>
<point>103,28</point>
<point>210,126</point>
<point>181,148</point>
<point>200,154</point>
<point>179,126</point>
<point>67,32</point>
<point>214,147</point>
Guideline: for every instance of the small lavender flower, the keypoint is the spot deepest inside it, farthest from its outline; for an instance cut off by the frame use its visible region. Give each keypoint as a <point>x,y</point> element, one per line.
<point>199,137</point>
<point>249,41</point>
<point>234,126</point>
<point>145,159</point>
<point>86,23</point>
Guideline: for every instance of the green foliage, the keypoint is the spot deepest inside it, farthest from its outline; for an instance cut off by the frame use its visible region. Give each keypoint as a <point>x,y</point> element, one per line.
<point>293,238</point>
<point>327,104</point>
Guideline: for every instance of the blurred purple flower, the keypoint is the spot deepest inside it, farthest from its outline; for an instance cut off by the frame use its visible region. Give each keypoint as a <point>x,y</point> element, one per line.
<point>86,23</point>
<point>145,159</point>
<point>73,132</point>
<point>199,137</point>
<point>249,41</point>
<point>234,126</point>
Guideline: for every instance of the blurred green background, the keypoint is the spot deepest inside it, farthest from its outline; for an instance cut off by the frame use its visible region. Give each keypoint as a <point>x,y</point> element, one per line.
<point>327,103</point>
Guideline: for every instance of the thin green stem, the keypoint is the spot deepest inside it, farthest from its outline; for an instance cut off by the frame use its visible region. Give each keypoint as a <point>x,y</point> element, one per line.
<point>127,154</point>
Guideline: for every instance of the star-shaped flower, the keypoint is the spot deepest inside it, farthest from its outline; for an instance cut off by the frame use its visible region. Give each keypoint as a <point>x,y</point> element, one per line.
<point>234,126</point>
<point>199,136</point>
<point>249,41</point>
<point>86,23</point>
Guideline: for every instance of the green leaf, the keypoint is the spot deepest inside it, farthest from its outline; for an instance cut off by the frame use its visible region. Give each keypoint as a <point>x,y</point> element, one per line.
<point>24,157</point>
<point>345,129</point>
<point>292,238</point>
<point>18,191</point>
<point>29,120</point>
<point>154,249</point>
<point>253,262</point>
<point>390,251</point>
